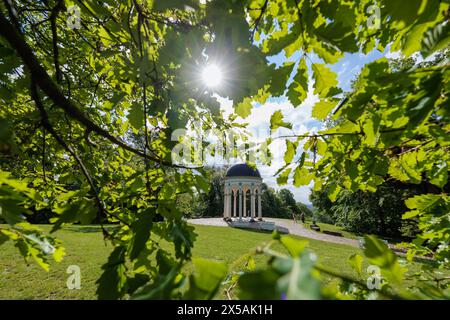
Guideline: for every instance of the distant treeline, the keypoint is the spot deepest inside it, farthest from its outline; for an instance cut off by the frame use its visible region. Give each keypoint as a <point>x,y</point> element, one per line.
<point>377,212</point>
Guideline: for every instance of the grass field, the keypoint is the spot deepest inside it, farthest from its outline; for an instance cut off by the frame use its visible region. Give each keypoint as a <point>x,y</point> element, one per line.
<point>330,227</point>
<point>85,247</point>
<point>347,234</point>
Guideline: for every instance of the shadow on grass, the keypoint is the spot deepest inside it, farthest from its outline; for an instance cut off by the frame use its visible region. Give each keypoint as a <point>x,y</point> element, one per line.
<point>280,229</point>
<point>90,228</point>
<point>426,261</point>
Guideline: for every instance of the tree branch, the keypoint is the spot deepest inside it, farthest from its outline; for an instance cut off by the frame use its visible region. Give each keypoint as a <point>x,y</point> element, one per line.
<point>258,20</point>
<point>53,16</point>
<point>46,84</point>
<point>43,155</point>
<point>47,125</point>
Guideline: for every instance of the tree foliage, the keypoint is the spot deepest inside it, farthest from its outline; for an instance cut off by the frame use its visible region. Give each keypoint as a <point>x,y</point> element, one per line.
<point>71,100</point>
<point>378,213</point>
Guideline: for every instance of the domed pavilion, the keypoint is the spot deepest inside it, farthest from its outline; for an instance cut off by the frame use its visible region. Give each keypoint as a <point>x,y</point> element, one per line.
<point>242,183</point>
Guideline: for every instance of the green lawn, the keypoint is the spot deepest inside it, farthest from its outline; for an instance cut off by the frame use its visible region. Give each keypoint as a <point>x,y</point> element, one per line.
<point>347,234</point>
<point>85,247</point>
<point>331,227</point>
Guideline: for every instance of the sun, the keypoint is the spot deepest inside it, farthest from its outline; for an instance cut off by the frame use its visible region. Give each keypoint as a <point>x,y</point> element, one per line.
<point>212,75</point>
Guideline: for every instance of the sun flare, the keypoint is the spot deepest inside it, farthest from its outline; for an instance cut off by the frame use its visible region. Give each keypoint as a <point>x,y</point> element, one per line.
<point>212,75</point>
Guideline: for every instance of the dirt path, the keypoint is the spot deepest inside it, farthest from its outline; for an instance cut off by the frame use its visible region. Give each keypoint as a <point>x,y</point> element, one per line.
<point>294,228</point>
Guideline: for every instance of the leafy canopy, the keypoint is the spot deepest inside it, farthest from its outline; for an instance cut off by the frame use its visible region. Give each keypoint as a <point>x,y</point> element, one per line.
<point>86,117</point>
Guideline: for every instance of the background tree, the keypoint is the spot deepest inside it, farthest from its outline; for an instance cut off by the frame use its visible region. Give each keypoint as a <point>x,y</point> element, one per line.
<point>288,202</point>
<point>368,212</point>
<point>305,209</point>
<point>377,212</point>
<point>214,199</point>
<point>270,204</point>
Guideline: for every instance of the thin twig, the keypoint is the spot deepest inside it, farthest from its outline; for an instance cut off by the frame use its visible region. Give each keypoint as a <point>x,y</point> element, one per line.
<point>258,19</point>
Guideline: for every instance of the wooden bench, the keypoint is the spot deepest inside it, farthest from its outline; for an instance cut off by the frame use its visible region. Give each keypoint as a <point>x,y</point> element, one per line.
<point>315,227</point>
<point>332,233</point>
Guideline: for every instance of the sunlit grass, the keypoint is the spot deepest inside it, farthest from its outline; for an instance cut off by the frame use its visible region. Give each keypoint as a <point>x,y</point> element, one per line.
<point>330,227</point>
<point>85,247</point>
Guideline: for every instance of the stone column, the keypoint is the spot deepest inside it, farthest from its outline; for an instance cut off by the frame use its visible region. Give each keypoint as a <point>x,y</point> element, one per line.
<point>245,203</point>
<point>252,204</point>
<point>240,204</point>
<point>227,203</point>
<point>259,205</point>
<point>225,195</point>
<point>234,199</point>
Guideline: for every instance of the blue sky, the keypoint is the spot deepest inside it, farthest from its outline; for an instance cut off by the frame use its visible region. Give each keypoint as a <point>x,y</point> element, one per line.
<point>346,68</point>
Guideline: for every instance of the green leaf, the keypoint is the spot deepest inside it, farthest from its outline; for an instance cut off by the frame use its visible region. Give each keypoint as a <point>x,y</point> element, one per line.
<point>283,177</point>
<point>371,127</point>
<point>276,121</point>
<point>162,287</point>
<point>11,212</point>
<point>112,281</point>
<point>424,203</point>
<point>325,81</point>
<point>302,176</point>
<point>436,38</point>
<point>300,283</point>
<point>141,233</point>
<point>250,285</point>
<point>294,246</point>
<point>136,116</point>
<point>83,211</point>
<point>356,261</point>
<point>333,191</point>
<point>251,265</point>
<point>298,89</point>
<point>329,53</point>
<point>27,250</point>
<point>322,108</point>
<point>400,14</point>
<point>438,175</point>
<point>421,106</point>
<point>138,281</point>
<point>374,248</point>
<point>183,237</point>
<point>291,148</point>
<point>279,78</point>
<point>244,108</point>
<point>206,280</point>
<point>105,37</point>
<point>379,254</point>
<point>411,214</point>
<point>408,167</point>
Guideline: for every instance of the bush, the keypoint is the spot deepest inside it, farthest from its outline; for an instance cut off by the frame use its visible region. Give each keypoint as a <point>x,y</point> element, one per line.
<point>377,212</point>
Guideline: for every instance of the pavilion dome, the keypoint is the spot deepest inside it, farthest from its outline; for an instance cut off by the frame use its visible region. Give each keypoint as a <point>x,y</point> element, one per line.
<point>242,170</point>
